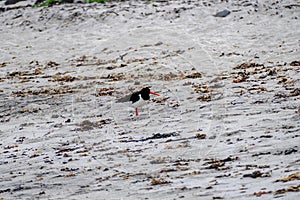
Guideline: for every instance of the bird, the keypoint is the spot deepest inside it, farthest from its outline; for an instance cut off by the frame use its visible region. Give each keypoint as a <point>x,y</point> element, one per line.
<point>138,99</point>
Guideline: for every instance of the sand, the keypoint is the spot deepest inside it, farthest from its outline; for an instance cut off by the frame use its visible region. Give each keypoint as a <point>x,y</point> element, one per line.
<point>226,125</point>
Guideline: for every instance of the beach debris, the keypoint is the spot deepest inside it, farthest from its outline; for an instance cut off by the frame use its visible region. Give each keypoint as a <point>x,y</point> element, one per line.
<point>67,78</point>
<point>295,92</point>
<point>223,175</point>
<point>223,13</point>
<point>154,137</point>
<point>287,151</point>
<point>174,169</point>
<point>288,189</point>
<point>200,136</point>
<point>298,110</point>
<point>173,104</point>
<point>50,64</point>
<point>249,167</point>
<point>280,95</point>
<point>248,65</point>
<point>292,5</point>
<point>21,139</point>
<point>257,174</point>
<point>5,190</point>
<point>217,197</point>
<point>241,77</point>
<point>45,91</point>
<point>295,63</point>
<point>159,181</point>
<point>105,91</point>
<point>70,175</point>
<point>24,73</point>
<point>183,144</point>
<point>219,164</point>
<point>160,100</point>
<point>169,76</point>
<point>65,149</point>
<point>188,83</point>
<point>3,64</point>
<point>11,146</point>
<point>258,194</point>
<point>87,125</point>
<point>271,72</point>
<point>160,160</point>
<point>216,166</point>
<point>261,153</point>
<point>266,136</point>
<point>289,178</point>
<point>194,75</point>
<point>162,135</point>
<point>11,2</point>
<point>115,77</point>
<point>291,150</point>
<point>231,54</point>
<point>205,98</point>
<point>201,88</point>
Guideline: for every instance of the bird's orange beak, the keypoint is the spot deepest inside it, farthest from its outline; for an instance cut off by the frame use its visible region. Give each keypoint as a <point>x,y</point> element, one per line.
<point>154,93</point>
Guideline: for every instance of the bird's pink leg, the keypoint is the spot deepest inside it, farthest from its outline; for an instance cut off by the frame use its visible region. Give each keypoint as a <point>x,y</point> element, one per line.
<point>136,112</point>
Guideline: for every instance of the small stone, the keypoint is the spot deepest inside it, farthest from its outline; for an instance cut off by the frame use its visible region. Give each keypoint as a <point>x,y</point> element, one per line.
<point>223,13</point>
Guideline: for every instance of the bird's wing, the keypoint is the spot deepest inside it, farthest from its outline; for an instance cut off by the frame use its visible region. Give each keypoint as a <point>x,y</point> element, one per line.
<point>124,99</point>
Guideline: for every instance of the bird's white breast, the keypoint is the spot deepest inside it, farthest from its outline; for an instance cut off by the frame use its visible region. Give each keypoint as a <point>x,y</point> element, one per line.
<point>141,102</point>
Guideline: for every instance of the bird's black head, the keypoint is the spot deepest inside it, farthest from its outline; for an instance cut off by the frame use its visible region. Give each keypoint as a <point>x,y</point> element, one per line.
<point>145,93</point>
<point>145,90</point>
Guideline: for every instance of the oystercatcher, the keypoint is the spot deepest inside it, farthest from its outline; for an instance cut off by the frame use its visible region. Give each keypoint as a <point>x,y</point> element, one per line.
<point>138,99</point>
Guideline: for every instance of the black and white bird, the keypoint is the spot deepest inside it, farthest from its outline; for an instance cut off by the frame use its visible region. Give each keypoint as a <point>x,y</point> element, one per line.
<point>138,99</point>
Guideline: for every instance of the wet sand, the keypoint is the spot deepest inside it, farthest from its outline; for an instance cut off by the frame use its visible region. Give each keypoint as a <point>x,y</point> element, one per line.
<point>226,125</point>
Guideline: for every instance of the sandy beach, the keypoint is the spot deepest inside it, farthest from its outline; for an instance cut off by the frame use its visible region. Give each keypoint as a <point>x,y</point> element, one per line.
<point>225,126</point>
